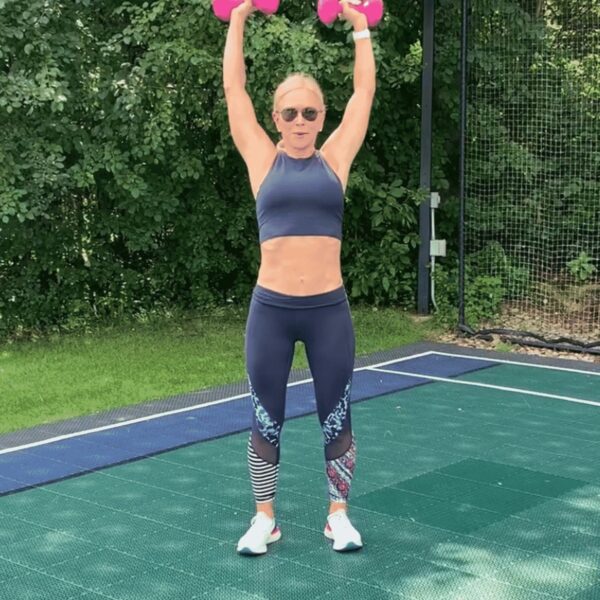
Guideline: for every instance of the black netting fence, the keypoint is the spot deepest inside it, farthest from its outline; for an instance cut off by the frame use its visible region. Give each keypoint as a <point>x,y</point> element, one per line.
<point>532,169</point>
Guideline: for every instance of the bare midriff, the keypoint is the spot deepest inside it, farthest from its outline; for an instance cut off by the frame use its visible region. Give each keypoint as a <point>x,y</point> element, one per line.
<point>300,265</point>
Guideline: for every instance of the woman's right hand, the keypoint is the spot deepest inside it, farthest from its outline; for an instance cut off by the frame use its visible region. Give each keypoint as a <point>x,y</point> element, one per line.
<point>243,10</point>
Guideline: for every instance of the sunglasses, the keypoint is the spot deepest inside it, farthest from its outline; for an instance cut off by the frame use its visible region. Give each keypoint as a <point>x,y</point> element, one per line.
<point>289,114</point>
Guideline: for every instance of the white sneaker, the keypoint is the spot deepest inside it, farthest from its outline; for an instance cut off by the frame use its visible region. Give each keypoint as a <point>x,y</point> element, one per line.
<point>340,530</point>
<point>263,530</point>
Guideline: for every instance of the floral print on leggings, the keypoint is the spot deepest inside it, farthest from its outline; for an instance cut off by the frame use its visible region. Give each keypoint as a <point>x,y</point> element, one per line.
<point>267,426</point>
<point>339,474</point>
<point>334,423</point>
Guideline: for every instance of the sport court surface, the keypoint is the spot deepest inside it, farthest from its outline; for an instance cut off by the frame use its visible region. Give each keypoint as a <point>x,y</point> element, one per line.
<point>478,476</point>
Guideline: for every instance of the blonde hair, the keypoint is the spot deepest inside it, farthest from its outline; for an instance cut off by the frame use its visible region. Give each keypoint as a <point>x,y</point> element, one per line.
<point>295,81</point>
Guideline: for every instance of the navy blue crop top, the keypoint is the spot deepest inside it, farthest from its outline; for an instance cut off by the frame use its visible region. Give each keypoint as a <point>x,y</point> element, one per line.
<point>300,196</point>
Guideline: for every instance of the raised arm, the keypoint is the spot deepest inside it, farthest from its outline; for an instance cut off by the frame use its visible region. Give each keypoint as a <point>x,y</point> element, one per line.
<point>248,136</point>
<point>345,142</point>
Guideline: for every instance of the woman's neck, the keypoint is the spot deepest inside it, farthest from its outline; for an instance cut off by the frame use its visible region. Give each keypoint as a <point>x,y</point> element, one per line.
<point>304,154</point>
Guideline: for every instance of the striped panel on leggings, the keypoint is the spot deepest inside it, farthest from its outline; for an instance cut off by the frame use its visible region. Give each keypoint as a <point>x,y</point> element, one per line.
<point>263,475</point>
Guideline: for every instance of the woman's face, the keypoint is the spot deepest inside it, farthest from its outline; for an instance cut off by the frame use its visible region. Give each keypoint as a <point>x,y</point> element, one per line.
<point>300,133</point>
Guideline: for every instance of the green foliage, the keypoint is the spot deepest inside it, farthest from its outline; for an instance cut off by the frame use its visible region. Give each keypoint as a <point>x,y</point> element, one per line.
<point>121,192</point>
<point>483,295</point>
<point>515,278</point>
<point>581,267</point>
<point>533,157</point>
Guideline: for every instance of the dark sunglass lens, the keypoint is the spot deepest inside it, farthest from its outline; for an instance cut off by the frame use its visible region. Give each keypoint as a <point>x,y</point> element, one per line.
<point>310,114</point>
<point>289,114</point>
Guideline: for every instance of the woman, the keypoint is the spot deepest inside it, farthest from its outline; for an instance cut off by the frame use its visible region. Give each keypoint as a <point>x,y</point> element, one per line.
<point>299,295</point>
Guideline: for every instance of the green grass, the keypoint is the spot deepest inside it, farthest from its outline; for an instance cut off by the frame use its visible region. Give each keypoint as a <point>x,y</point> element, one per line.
<point>62,376</point>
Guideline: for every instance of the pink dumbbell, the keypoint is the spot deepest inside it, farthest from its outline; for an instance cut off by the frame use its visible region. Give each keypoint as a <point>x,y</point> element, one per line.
<point>223,8</point>
<point>329,10</point>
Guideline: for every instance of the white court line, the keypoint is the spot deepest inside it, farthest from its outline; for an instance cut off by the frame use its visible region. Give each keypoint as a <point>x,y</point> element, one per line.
<point>66,436</point>
<point>515,362</point>
<point>487,385</point>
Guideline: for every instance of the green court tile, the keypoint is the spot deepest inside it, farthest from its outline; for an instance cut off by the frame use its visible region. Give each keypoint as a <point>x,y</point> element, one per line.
<point>176,509</point>
<point>587,498</point>
<point>287,580</point>
<point>116,495</point>
<point>170,476</point>
<point>223,565</point>
<point>563,383</point>
<point>422,458</point>
<point>552,444</point>
<point>168,546</point>
<point>187,474</point>
<point>420,580</point>
<point>55,511</point>
<point>459,518</point>
<point>407,538</point>
<point>10,570</point>
<point>294,477</point>
<point>299,541</point>
<point>214,524</point>
<point>520,533</point>
<point>312,549</point>
<point>304,455</point>
<point>89,596</point>
<point>512,477</point>
<point>565,516</point>
<point>24,503</point>
<point>548,575</point>
<point>157,584</point>
<point>577,549</point>
<point>291,505</point>
<point>117,529</point>
<point>38,586</point>
<point>211,488</point>
<point>353,590</point>
<point>437,486</point>
<point>581,467</point>
<point>398,503</point>
<point>225,593</point>
<point>504,501</point>
<point>48,549</point>
<point>14,530</point>
<point>485,589</point>
<point>99,569</point>
<point>590,593</point>
<point>477,557</point>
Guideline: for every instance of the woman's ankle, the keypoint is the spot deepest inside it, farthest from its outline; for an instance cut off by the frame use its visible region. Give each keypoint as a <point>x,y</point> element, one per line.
<point>267,508</point>
<point>335,506</point>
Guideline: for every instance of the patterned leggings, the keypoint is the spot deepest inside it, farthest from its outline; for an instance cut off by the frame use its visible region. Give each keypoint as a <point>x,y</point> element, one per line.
<point>323,323</point>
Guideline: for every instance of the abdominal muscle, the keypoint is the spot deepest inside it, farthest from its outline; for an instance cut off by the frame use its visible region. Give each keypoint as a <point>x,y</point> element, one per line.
<point>300,265</point>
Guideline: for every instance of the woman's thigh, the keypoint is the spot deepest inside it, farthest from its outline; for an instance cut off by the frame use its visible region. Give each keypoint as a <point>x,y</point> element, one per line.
<point>269,350</point>
<point>328,336</point>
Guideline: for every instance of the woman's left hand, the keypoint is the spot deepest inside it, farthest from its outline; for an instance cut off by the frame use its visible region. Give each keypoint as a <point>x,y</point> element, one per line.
<point>351,14</point>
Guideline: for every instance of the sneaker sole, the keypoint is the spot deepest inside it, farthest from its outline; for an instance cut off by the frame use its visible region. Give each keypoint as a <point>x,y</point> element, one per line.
<point>275,536</point>
<point>350,546</point>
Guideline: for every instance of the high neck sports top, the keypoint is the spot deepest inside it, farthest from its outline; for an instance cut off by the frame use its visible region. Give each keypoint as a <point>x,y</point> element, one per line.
<point>300,196</point>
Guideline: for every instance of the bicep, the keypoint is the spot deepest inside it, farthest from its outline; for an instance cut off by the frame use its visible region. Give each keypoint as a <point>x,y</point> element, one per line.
<point>345,142</point>
<point>248,136</point>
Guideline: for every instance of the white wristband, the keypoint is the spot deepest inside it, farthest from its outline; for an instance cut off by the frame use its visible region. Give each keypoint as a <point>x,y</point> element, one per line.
<point>361,35</point>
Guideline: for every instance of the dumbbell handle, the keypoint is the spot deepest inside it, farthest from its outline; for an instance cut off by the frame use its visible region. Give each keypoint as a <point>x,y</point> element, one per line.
<point>223,8</point>
<point>329,10</point>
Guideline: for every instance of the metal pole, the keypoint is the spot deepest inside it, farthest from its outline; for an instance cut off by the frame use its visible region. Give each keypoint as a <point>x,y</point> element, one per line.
<point>424,290</point>
<point>462,194</point>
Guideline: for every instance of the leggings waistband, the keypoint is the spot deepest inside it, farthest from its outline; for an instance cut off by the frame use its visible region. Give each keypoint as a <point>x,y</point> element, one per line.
<point>273,298</point>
